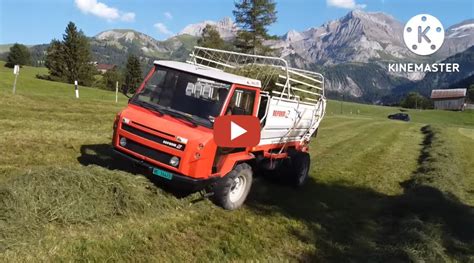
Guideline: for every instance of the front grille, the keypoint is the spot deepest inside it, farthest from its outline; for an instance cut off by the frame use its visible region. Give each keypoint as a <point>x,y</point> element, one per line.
<point>152,137</point>
<point>164,133</point>
<point>156,155</point>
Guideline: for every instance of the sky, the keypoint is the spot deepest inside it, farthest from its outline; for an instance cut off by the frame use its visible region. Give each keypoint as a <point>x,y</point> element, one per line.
<point>38,21</point>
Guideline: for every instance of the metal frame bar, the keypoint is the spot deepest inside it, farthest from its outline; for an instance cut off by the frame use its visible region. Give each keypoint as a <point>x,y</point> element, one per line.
<point>313,82</point>
<point>301,82</point>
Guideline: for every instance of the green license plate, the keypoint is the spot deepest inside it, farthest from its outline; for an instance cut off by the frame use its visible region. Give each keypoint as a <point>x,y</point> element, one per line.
<point>161,173</point>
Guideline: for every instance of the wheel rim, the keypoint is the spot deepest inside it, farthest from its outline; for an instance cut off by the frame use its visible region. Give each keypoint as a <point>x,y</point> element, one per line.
<point>238,188</point>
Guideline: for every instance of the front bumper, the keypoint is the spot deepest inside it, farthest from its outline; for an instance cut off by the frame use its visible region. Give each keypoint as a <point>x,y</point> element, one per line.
<point>179,180</point>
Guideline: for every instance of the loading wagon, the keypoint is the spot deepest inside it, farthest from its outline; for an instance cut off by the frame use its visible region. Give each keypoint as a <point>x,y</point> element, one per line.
<point>168,123</point>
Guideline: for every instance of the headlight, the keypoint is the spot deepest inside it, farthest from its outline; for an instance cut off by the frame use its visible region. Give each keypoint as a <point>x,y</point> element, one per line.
<point>174,161</point>
<point>123,142</point>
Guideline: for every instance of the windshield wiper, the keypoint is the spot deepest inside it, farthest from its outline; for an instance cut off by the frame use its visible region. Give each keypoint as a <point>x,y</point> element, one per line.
<point>161,110</point>
<point>180,115</point>
<point>149,106</point>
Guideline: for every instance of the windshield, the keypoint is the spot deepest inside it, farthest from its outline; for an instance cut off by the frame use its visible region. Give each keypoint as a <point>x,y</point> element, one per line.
<point>184,93</point>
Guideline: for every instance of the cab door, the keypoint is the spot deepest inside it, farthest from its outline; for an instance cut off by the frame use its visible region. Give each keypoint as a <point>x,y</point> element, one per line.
<point>242,100</point>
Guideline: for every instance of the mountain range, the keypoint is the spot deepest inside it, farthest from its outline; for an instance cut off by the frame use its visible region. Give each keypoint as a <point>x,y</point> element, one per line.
<point>353,52</point>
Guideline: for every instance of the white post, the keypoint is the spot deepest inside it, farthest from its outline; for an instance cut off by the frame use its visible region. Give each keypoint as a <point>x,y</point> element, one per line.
<point>16,71</point>
<point>116,92</point>
<point>76,88</point>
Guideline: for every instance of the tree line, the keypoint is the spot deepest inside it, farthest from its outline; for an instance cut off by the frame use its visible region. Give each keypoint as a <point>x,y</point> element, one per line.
<point>70,58</point>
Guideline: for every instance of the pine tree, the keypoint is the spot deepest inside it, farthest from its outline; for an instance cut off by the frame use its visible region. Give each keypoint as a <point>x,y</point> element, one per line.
<point>133,73</point>
<point>70,59</point>
<point>254,16</point>
<point>19,55</point>
<point>54,61</point>
<point>77,56</point>
<point>110,78</point>
<point>415,100</point>
<point>211,38</point>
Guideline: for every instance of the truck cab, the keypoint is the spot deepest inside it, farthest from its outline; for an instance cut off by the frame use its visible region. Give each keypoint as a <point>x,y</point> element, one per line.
<point>168,128</point>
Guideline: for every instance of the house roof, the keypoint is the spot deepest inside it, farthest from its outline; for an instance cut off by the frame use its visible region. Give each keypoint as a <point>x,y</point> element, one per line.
<point>448,93</point>
<point>105,66</point>
<point>209,72</point>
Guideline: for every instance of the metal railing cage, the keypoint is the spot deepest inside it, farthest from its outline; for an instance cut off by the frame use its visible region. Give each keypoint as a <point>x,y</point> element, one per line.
<point>275,75</point>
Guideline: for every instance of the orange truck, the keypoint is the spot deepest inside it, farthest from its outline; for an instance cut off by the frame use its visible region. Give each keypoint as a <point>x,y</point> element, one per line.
<point>168,123</point>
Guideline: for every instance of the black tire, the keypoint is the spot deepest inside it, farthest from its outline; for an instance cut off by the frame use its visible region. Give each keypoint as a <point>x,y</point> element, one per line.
<point>300,164</point>
<point>224,191</point>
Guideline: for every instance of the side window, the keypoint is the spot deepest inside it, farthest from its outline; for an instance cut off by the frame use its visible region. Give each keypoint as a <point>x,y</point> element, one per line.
<point>241,103</point>
<point>263,107</point>
<point>154,87</point>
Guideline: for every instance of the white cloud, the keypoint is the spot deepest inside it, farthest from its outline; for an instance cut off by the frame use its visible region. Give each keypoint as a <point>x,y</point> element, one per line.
<point>103,11</point>
<point>163,29</point>
<point>168,15</point>
<point>349,4</point>
<point>128,17</point>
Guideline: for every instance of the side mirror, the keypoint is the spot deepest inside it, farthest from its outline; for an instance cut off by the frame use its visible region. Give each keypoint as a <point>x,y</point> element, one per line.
<point>125,91</point>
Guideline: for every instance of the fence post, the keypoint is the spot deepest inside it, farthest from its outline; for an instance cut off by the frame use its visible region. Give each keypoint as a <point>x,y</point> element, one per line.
<point>76,88</point>
<point>16,71</point>
<point>116,91</point>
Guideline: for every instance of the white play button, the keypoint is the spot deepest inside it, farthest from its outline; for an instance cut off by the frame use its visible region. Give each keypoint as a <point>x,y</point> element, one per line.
<point>235,130</point>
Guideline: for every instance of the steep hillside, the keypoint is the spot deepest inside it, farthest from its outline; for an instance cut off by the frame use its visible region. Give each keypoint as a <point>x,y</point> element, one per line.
<point>352,79</point>
<point>442,80</point>
<point>439,80</point>
<point>378,190</point>
<point>111,46</point>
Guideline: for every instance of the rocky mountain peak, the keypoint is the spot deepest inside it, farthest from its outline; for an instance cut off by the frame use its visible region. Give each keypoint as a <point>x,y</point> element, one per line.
<point>127,39</point>
<point>226,28</point>
<point>370,18</point>
<point>293,36</point>
<point>127,35</point>
<point>458,38</point>
<point>226,22</point>
<point>359,36</point>
<point>462,29</point>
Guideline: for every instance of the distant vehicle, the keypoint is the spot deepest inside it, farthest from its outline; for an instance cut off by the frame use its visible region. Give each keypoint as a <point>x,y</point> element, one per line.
<point>168,123</point>
<point>399,116</point>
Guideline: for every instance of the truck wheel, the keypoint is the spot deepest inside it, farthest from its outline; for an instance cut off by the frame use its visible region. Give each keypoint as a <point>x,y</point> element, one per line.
<point>300,163</point>
<point>232,190</point>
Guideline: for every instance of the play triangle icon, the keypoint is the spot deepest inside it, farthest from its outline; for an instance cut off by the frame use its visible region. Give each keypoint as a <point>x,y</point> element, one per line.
<point>236,130</point>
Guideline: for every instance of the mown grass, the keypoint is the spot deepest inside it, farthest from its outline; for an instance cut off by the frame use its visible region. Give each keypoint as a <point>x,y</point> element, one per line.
<point>379,190</point>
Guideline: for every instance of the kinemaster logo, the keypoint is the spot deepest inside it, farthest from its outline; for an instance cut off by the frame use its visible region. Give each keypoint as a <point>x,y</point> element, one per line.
<point>423,35</point>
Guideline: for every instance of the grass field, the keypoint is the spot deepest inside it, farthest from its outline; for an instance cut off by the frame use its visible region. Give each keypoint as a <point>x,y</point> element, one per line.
<point>380,190</point>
